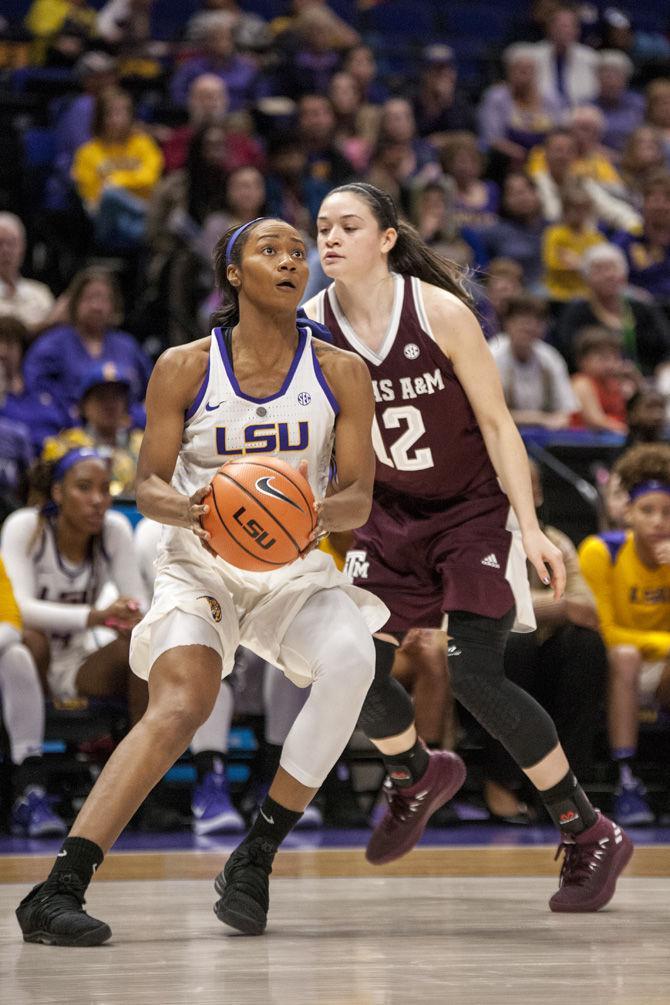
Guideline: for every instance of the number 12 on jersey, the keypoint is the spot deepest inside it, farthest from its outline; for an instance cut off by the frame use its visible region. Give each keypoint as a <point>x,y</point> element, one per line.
<point>393,418</point>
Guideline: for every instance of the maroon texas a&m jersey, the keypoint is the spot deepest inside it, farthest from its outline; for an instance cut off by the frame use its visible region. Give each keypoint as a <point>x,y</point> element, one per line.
<point>425,434</point>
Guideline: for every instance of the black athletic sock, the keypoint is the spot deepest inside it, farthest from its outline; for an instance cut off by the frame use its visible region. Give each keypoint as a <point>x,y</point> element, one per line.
<point>78,855</point>
<point>30,771</point>
<point>208,760</point>
<point>407,768</point>
<point>273,822</point>
<point>569,806</point>
<point>269,761</point>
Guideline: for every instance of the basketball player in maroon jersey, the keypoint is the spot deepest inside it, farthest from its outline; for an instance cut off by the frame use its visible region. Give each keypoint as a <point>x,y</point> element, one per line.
<point>443,536</point>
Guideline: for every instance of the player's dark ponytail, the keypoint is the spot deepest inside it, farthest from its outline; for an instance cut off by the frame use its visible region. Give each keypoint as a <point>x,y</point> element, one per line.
<point>410,256</point>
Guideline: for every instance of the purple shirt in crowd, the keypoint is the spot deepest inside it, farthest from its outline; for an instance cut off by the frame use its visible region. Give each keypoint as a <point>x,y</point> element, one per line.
<point>57,361</point>
<point>622,119</point>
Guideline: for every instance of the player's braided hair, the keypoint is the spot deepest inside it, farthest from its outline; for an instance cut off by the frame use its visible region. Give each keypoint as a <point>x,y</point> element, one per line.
<point>410,256</point>
<point>647,462</point>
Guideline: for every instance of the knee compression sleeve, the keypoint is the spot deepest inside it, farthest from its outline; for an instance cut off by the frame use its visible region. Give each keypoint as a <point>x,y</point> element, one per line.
<point>387,709</point>
<point>478,680</point>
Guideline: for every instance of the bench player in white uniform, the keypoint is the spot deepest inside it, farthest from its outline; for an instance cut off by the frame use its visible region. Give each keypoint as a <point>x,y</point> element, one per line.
<point>58,559</point>
<point>205,403</point>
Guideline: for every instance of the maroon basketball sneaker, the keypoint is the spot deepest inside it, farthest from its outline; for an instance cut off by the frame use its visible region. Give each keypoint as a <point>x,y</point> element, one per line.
<point>593,862</point>
<point>410,808</point>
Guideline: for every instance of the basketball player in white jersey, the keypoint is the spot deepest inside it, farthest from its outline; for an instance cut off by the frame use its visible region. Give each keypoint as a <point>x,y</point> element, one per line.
<point>205,404</point>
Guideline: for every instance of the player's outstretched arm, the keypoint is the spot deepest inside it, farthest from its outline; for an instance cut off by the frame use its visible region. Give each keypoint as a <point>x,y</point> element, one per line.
<point>460,337</point>
<point>174,384</point>
<point>350,503</point>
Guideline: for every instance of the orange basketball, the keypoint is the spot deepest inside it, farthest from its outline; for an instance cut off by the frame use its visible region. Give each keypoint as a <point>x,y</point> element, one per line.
<point>261,513</point>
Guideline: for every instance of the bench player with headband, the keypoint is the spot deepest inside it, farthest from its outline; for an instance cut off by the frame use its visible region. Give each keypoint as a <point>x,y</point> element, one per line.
<point>205,403</point>
<point>443,536</point>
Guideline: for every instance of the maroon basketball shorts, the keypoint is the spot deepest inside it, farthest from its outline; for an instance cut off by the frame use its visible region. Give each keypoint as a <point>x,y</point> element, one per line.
<point>424,558</point>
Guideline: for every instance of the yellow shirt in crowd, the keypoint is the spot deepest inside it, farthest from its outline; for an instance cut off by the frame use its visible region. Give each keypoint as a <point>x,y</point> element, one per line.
<point>566,283</point>
<point>9,609</point>
<point>134,165</point>
<point>596,166</point>
<point>633,600</point>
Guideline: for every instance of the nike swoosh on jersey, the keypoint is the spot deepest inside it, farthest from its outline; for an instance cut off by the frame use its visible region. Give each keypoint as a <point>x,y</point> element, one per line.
<point>213,408</point>
<point>263,485</point>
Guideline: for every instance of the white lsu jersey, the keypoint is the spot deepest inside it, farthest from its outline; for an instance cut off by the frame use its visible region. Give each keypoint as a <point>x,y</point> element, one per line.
<point>296,424</point>
<point>253,609</point>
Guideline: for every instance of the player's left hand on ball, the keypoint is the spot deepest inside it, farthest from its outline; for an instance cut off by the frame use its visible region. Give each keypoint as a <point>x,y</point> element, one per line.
<point>196,510</point>
<point>546,560</point>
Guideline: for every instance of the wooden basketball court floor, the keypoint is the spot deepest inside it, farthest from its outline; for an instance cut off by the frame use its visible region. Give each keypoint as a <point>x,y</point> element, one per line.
<point>468,926</point>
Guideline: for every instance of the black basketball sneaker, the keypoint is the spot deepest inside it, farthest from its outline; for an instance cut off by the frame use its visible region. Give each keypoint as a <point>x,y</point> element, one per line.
<point>243,886</point>
<point>53,913</point>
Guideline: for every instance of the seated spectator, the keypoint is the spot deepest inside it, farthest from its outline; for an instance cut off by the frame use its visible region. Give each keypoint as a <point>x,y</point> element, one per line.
<point>629,574</point>
<point>649,253</point>
<point>57,360</point>
<point>642,329</point>
<point>360,63</point>
<point>565,244</point>
<point>439,106</point>
<point>116,172</point>
<point>41,414</point>
<point>26,299</point>
<point>244,199</point>
<point>645,417</point>
<point>96,72</point>
<point>476,200</point>
<point>534,376</point>
<point>104,407</point>
<point>309,56</point>
<point>658,112</point>
<point>294,193</point>
<point>623,109</point>
<point>513,115</point>
<point>502,283</point>
<point>47,18</point>
<point>338,34</point>
<point>250,31</point>
<point>316,129</point>
<point>586,124</point>
<point>213,34</point>
<point>560,152</point>
<point>397,125</point>
<point>22,704</point>
<point>566,69</point>
<point>598,383</point>
<point>59,554</point>
<point>518,232</point>
<point>125,27</point>
<point>356,123</point>
<point>207,104</point>
<point>563,665</point>
<point>431,213</point>
<point>642,156</point>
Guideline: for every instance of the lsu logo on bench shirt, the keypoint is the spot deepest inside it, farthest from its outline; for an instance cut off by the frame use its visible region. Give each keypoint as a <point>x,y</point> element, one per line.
<point>262,438</point>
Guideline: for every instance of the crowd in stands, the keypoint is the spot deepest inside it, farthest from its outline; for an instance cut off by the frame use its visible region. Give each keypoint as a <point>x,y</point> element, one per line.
<point>136,132</point>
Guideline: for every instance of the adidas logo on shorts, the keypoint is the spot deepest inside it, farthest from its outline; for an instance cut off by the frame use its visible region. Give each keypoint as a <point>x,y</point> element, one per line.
<point>491,561</point>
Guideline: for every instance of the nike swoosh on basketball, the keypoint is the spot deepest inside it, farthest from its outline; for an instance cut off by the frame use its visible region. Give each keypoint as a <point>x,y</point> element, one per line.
<point>270,820</point>
<point>61,854</point>
<point>212,408</point>
<point>263,485</point>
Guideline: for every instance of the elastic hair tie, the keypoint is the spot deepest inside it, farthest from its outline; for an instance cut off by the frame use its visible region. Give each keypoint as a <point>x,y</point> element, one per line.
<point>234,236</point>
<point>644,488</point>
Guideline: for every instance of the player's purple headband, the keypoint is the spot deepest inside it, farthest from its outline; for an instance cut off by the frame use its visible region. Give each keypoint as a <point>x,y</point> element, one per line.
<point>73,457</point>
<point>234,236</point>
<point>643,488</point>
